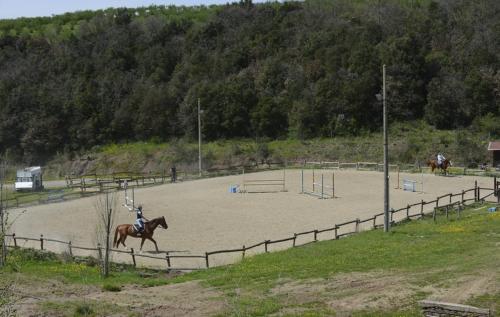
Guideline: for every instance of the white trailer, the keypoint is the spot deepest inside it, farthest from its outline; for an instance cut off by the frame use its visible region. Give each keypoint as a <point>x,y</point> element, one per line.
<point>29,178</point>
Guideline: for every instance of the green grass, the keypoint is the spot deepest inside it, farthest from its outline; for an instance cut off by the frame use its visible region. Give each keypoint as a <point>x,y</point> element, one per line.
<point>49,266</point>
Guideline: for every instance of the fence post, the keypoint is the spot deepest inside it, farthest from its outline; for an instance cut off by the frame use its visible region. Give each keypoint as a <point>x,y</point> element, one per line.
<point>294,239</point>
<point>407,212</point>
<point>206,259</point>
<point>167,256</point>
<point>133,256</point>
<point>463,193</point>
<point>478,193</point>
<point>70,249</point>
<point>243,255</point>
<point>315,235</point>
<point>422,209</point>
<point>437,202</point>
<point>41,242</point>
<point>475,191</point>
<point>265,245</point>
<point>451,195</point>
<point>357,224</point>
<point>99,252</point>
<point>15,241</point>
<point>336,233</point>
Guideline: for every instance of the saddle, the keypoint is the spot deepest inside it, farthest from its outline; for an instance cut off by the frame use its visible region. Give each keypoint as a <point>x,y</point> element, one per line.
<point>137,229</point>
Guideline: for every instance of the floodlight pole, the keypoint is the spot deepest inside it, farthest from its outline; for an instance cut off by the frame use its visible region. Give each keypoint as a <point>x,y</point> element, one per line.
<point>199,138</point>
<point>386,158</point>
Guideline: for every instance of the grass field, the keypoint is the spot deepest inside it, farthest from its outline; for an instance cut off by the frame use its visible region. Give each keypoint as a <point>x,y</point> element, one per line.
<point>369,274</point>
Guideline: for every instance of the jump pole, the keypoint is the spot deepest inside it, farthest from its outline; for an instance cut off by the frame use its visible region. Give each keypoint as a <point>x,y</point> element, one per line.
<point>313,179</point>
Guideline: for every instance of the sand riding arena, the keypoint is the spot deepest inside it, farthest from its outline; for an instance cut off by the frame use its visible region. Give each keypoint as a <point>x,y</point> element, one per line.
<point>204,215</point>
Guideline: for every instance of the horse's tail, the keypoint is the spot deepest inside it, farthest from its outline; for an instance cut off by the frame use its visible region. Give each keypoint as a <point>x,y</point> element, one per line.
<point>115,243</point>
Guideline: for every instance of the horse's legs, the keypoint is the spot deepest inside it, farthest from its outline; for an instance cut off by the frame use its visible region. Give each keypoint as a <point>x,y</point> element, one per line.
<point>142,243</point>
<point>122,240</point>
<point>156,246</point>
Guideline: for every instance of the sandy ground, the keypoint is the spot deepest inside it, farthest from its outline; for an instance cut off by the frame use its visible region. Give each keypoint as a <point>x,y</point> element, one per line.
<point>204,216</point>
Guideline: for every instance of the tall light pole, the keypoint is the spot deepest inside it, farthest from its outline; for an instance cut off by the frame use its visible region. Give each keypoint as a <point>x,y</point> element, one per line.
<point>386,158</point>
<point>199,137</point>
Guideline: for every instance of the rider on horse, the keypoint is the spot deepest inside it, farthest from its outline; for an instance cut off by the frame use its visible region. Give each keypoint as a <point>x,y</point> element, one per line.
<point>140,219</point>
<point>440,159</point>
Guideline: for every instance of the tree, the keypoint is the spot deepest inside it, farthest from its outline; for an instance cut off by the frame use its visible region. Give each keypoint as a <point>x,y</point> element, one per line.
<point>105,207</point>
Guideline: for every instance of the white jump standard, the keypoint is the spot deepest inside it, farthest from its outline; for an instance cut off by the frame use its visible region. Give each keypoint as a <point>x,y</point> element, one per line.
<point>319,190</point>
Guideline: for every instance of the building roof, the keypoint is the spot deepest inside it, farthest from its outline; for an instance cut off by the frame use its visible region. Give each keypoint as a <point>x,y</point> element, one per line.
<point>494,146</point>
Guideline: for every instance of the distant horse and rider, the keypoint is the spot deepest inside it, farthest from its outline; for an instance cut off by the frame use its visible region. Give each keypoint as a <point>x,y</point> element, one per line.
<point>141,229</point>
<point>440,162</point>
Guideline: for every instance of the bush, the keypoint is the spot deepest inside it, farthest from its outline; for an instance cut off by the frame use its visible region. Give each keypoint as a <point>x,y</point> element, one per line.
<point>83,310</point>
<point>111,288</point>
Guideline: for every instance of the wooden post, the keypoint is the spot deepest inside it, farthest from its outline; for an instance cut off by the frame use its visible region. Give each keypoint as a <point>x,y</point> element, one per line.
<point>315,235</point>
<point>99,253</point>
<point>437,202</point>
<point>167,257</point>
<point>206,259</point>
<point>294,239</point>
<point>422,209</point>
<point>463,193</point>
<point>357,224</point>
<point>450,197</point>
<point>407,212</point>
<point>374,222</point>
<point>70,249</point>
<point>475,191</point>
<point>133,256</point>
<point>265,246</point>
<point>243,255</point>
<point>335,230</point>
<point>41,242</point>
<point>15,240</point>
<point>302,182</point>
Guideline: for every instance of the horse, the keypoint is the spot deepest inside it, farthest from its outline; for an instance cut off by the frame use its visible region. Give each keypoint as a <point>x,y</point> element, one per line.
<point>128,230</point>
<point>444,165</point>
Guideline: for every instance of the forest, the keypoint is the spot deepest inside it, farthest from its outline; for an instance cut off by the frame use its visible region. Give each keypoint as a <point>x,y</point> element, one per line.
<point>298,70</point>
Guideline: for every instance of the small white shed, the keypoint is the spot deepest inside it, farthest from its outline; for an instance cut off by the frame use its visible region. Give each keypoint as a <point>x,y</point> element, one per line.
<point>29,178</point>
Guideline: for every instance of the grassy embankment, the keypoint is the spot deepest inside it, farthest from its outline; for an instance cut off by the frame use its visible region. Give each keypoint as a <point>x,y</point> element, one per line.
<point>409,143</point>
<point>369,274</point>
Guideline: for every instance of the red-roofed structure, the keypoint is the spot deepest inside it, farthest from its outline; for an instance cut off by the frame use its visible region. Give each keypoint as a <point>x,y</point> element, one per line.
<point>494,147</point>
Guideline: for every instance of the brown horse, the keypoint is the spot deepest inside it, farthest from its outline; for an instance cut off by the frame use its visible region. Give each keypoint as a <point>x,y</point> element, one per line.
<point>434,164</point>
<point>128,230</point>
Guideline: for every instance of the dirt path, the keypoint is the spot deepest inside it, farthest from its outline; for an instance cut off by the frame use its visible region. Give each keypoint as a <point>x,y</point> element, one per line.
<point>203,216</point>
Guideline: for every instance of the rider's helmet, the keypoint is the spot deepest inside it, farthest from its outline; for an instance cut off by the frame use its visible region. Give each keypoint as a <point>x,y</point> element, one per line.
<point>139,207</point>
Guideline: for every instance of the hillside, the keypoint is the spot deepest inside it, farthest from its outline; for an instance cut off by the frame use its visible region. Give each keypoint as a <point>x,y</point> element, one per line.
<point>408,144</point>
<point>295,70</point>
<point>368,274</point>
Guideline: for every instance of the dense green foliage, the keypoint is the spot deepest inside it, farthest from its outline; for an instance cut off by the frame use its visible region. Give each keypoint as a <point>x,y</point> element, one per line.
<point>295,69</point>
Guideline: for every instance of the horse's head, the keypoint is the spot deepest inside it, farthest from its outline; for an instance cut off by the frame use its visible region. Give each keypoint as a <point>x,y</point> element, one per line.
<point>163,223</point>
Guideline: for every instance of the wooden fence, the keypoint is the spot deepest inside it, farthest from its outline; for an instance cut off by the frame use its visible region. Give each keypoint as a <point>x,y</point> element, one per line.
<point>445,204</point>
